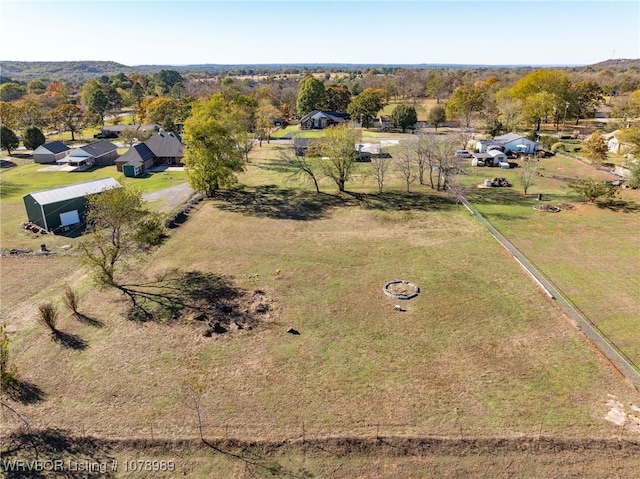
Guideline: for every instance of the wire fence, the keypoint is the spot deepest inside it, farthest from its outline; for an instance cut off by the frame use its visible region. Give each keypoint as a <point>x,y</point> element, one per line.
<point>601,341</point>
<point>276,433</point>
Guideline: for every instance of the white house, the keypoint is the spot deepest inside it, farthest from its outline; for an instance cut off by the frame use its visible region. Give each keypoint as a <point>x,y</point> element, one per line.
<point>614,144</point>
<point>510,142</point>
<point>50,152</point>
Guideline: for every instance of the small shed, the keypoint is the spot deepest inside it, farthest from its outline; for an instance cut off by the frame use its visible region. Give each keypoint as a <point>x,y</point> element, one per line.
<point>63,207</point>
<point>50,152</point>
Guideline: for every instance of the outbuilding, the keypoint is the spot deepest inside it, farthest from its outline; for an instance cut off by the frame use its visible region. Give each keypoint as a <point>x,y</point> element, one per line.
<point>50,152</point>
<point>63,207</point>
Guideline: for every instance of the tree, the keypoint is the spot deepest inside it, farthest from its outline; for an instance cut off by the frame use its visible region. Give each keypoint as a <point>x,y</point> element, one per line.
<point>12,91</point>
<point>8,372</point>
<point>33,138</point>
<point>527,174</point>
<point>266,114</point>
<point>380,164</point>
<point>37,87</point>
<point>366,105</point>
<point>8,139</point>
<point>494,126</point>
<point>114,218</point>
<point>406,165</point>
<point>165,111</point>
<point>338,98</point>
<point>8,114</point>
<point>634,179</point>
<point>593,189</point>
<point>97,102</point>
<point>464,102</point>
<point>311,96</point>
<point>338,145</point>
<point>303,168</point>
<point>71,117</point>
<point>437,116</point>
<point>586,97</point>
<point>595,148</point>
<point>631,137</point>
<point>404,116</point>
<point>214,152</point>
<point>131,136</point>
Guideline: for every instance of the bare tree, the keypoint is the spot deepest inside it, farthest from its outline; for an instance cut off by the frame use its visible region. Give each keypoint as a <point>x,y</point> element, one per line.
<point>456,189</point>
<point>303,168</point>
<point>406,164</point>
<point>527,174</point>
<point>380,166</point>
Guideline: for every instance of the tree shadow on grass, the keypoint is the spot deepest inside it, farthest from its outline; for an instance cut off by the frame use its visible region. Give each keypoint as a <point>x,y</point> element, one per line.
<point>71,341</point>
<point>88,320</point>
<point>273,202</point>
<point>402,201</point>
<point>24,392</point>
<point>198,296</point>
<point>78,457</point>
<point>619,206</point>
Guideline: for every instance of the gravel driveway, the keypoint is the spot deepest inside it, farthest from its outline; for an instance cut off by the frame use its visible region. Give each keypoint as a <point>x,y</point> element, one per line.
<point>173,196</point>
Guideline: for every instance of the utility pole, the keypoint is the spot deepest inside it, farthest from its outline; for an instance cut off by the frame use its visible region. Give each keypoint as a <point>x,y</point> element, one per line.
<point>566,107</point>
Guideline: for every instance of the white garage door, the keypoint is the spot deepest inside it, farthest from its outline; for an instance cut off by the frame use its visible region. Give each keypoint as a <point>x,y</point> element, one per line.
<point>69,218</point>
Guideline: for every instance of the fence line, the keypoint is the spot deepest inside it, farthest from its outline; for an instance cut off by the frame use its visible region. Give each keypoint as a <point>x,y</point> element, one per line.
<point>313,431</point>
<point>601,341</point>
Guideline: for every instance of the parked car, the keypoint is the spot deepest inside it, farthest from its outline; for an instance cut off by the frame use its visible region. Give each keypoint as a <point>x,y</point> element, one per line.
<point>463,154</point>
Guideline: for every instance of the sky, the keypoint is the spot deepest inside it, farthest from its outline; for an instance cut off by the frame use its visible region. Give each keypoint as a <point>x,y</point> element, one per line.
<point>158,32</point>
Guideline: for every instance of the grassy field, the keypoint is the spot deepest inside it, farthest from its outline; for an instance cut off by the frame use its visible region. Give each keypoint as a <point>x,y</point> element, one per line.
<point>480,352</point>
<point>590,253</point>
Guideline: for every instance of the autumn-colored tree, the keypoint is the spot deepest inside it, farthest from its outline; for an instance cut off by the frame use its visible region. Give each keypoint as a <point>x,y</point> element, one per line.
<point>364,107</point>
<point>465,101</point>
<point>595,148</point>
<point>339,146</point>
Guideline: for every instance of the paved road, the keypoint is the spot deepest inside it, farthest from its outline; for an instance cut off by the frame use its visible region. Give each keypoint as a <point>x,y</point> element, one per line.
<point>174,196</point>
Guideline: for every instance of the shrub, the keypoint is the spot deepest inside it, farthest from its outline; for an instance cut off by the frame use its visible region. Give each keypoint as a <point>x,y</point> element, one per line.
<point>48,316</point>
<point>559,146</point>
<point>7,371</point>
<point>70,298</point>
<point>547,141</point>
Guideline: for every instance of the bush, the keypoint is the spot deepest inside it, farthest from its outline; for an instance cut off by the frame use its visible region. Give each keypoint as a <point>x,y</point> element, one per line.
<point>70,298</point>
<point>547,141</point>
<point>48,316</point>
<point>559,146</point>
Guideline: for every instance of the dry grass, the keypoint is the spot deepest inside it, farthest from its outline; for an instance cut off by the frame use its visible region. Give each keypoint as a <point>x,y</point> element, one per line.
<point>479,353</point>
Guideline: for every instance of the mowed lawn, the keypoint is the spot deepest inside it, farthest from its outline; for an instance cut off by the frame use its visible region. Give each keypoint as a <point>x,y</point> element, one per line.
<point>20,180</point>
<point>481,351</point>
<point>592,253</point>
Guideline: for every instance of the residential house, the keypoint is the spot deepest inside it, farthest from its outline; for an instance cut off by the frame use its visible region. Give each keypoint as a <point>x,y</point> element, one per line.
<point>50,152</point>
<point>163,148</point>
<point>61,208</point>
<point>323,119</point>
<point>99,153</point>
<point>614,143</point>
<point>511,142</point>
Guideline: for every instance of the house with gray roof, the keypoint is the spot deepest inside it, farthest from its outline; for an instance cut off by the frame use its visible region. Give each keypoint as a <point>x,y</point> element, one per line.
<point>58,209</point>
<point>163,148</point>
<point>99,153</point>
<point>511,142</point>
<point>50,152</point>
<point>323,119</point>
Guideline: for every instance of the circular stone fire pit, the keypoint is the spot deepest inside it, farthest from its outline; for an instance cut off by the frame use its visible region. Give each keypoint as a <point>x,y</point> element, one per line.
<point>401,289</point>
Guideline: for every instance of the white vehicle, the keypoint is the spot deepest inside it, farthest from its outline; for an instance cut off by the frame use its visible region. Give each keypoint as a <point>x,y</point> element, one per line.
<point>463,154</point>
